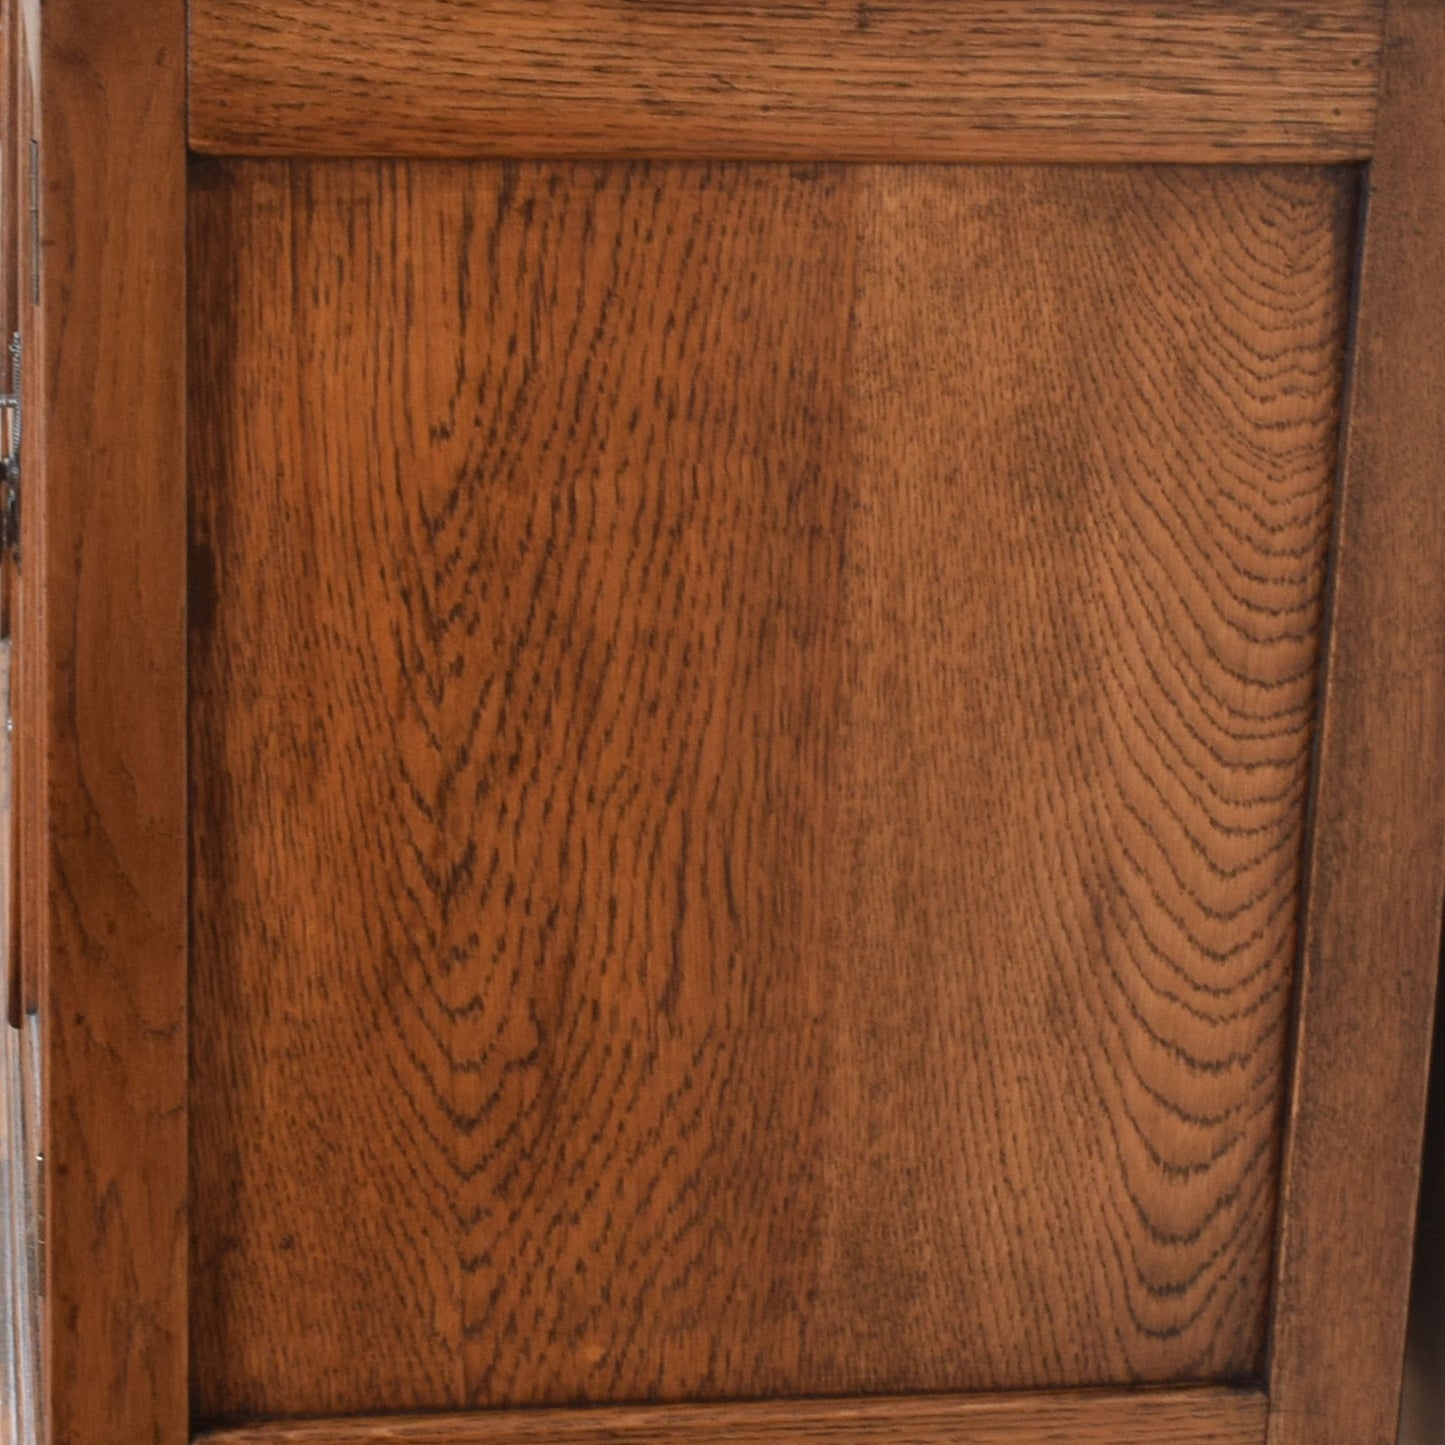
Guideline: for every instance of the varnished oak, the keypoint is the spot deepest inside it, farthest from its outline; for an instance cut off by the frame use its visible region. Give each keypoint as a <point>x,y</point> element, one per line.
<point>892,80</point>
<point>1142,1417</point>
<point>104,578</point>
<point>749,740</point>
<point>1377,858</point>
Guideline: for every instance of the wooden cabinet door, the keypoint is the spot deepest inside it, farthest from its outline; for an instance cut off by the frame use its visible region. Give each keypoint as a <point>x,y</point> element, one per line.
<point>725,753</point>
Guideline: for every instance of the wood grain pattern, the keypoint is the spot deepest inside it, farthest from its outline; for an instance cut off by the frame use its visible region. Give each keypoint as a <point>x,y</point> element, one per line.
<point>104,580</point>
<point>749,735</point>
<point>1377,859</point>
<point>825,80</point>
<point>1200,1416</point>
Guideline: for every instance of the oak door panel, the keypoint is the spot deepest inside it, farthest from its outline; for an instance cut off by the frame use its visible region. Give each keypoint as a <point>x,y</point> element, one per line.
<point>749,735</point>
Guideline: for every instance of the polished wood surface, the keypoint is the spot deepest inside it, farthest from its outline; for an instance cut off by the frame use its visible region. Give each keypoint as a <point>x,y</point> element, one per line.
<point>1377,858</point>
<point>893,80</point>
<point>749,739</point>
<point>104,586</point>
<point>1200,1416</point>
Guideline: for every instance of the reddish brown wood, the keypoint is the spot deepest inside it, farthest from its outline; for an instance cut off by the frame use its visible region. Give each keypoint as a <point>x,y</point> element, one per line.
<point>104,569</point>
<point>892,80</point>
<point>959,697</point>
<point>750,728</point>
<point>1377,857</point>
<point>1141,1417</point>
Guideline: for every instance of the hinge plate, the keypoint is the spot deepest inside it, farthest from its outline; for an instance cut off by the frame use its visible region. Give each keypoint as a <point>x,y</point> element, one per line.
<point>10,456</point>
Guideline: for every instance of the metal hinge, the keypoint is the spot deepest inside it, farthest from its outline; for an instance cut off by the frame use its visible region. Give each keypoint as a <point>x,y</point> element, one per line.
<point>10,457</point>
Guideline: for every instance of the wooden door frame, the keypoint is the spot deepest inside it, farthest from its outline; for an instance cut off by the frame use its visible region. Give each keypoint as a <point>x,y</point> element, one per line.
<point>1376,858</point>
<point>103,581</point>
<point>103,758</point>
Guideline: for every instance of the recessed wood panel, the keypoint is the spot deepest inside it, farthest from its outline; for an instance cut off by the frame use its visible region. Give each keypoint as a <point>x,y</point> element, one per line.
<point>750,728</point>
<point>892,80</point>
